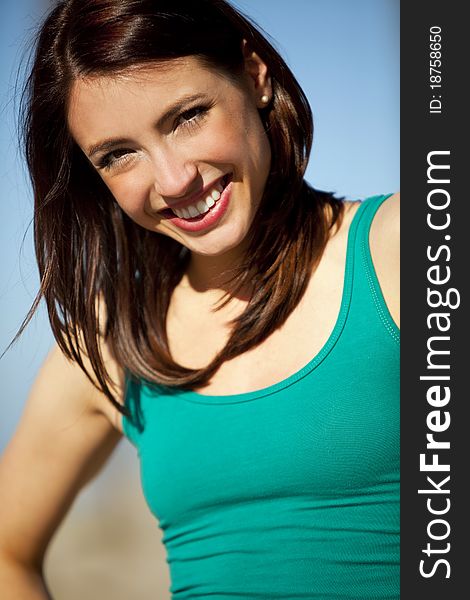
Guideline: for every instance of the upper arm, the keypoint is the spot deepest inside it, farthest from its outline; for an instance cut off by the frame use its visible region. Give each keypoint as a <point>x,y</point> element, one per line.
<point>385,251</point>
<point>62,440</point>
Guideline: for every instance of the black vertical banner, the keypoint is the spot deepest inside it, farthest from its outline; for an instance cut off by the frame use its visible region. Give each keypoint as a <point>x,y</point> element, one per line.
<point>435,423</point>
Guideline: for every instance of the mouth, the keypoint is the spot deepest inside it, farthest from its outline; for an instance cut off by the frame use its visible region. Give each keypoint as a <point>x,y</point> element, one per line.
<point>206,212</point>
<point>197,210</point>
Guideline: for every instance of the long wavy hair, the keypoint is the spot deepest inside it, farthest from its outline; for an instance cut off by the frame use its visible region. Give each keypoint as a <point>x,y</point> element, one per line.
<point>88,249</point>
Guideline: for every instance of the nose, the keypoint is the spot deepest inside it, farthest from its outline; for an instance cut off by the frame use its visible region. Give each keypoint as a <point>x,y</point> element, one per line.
<point>175,176</point>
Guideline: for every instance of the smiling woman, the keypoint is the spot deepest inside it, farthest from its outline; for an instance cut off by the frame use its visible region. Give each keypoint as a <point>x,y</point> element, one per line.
<point>238,326</point>
<point>180,146</point>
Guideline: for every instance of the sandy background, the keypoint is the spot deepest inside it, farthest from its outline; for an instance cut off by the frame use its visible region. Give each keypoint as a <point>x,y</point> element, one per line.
<point>109,545</point>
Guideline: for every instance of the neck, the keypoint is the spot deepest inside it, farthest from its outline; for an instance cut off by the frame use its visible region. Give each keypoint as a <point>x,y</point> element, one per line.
<point>210,275</point>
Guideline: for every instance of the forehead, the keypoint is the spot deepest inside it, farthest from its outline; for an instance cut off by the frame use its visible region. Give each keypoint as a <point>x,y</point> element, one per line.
<point>96,102</point>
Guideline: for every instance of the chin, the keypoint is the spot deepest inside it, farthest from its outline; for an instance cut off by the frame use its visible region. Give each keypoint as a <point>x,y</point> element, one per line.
<point>224,238</point>
<point>219,244</point>
<point>213,250</point>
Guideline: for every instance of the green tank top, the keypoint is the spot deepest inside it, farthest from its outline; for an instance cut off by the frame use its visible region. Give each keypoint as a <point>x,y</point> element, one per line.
<point>291,491</point>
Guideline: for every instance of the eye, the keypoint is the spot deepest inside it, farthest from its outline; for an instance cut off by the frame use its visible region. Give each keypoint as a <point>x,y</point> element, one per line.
<point>115,158</point>
<point>191,117</point>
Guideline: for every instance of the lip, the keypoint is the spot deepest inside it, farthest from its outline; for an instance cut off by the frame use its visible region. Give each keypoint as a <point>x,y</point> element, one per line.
<point>207,220</point>
<point>196,197</point>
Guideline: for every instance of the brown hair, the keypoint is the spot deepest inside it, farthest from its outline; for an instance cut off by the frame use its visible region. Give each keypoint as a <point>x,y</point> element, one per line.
<point>88,248</point>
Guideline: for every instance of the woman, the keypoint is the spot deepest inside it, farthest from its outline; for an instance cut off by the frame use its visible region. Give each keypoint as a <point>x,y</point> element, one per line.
<point>191,274</point>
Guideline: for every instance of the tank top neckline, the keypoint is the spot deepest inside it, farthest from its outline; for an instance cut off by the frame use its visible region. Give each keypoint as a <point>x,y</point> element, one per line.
<point>200,398</point>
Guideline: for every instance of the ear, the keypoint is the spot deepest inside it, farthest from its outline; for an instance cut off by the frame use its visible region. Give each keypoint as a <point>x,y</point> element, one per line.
<point>257,76</point>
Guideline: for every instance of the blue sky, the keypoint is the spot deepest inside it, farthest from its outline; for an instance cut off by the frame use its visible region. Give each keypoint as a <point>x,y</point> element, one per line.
<point>344,53</point>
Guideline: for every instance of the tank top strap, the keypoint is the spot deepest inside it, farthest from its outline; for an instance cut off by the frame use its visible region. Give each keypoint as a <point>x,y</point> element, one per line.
<point>366,291</point>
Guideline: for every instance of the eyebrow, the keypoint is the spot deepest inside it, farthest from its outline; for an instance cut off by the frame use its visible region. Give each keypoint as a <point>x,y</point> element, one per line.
<point>106,145</point>
<point>173,111</point>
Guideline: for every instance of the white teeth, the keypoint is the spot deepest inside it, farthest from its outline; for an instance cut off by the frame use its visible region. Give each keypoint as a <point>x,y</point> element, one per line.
<point>201,207</point>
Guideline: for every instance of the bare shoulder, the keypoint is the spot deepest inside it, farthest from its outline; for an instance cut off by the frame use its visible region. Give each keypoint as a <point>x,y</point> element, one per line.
<point>74,383</point>
<point>385,249</point>
<point>96,400</point>
<point>387,219</point>
<point>64,391</point>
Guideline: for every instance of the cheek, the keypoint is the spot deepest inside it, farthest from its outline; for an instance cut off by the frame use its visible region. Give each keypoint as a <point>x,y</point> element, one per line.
<point>254,145</point>
<point>240,143</point>
<point>219,144</point>
<point>130,192</point>
<point>264,156</point>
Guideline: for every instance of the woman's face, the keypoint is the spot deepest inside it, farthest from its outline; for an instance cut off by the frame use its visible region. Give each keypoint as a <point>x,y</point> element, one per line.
<point>180,146</point>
